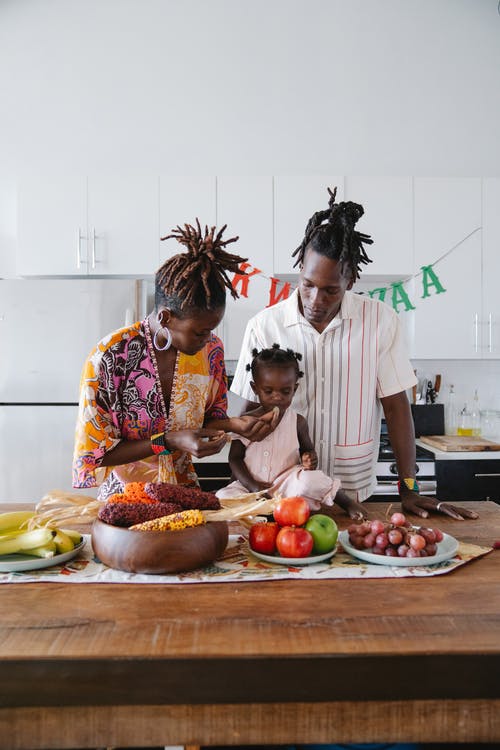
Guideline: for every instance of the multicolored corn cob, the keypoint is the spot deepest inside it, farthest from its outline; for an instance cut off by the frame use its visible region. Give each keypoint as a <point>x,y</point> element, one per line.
<point>174,522</point>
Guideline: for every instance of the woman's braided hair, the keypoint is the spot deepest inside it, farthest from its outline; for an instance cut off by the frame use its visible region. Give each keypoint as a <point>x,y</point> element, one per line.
<point>274,357</point>
<point>331,233</point>
<point>197,279</point>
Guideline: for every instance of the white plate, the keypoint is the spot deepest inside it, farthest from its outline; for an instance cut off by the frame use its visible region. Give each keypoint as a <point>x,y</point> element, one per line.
<point>277,560</point>
<point>19,562</point>
<point>446,549</point>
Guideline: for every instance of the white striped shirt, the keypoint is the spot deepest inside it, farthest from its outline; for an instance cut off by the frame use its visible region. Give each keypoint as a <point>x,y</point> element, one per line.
<point>359,358</point>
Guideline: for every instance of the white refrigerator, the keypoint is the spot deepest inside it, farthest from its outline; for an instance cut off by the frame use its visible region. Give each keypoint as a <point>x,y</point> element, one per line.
<point>47,329</point>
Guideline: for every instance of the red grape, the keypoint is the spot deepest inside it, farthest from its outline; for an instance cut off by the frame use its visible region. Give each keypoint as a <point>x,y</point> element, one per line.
<point>398,519</point>
<point>377,527</point>
<point>395,536</point>
<point>416,541</point>
<point>381,540</point>
<point>369,540</point>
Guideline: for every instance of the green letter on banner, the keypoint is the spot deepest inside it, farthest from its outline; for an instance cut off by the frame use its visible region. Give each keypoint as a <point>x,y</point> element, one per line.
<point>380,292</point>
<point>399,297</point>
<point>430,278</point>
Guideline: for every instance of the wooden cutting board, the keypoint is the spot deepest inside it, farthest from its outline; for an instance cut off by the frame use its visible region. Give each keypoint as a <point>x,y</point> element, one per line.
<point>460,443</point>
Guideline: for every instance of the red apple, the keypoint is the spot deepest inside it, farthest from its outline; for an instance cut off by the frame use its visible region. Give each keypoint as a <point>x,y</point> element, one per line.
<point>262,537</point>
<point>293,541</point>
<point>291,511</point>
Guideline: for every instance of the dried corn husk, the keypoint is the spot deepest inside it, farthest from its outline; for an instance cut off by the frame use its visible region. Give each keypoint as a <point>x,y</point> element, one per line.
<point>58,508</point>
<point>247,509</point>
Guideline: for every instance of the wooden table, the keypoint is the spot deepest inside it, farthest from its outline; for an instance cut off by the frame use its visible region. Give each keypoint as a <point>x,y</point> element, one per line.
<point>92,665</point>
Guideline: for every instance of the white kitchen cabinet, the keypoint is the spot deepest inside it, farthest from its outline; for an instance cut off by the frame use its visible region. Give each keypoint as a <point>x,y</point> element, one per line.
<point>296,199</point>
<point>123,225</point>
<point>490,314</point>
<point>52,226</point>
<point>447,325</point>
<point>94,226</point>
<point>182,200</point>
<point>245,204</point>
<point>388,219</point>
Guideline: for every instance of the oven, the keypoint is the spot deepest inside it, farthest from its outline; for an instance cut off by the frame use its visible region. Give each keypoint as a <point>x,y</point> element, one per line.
<point>387,472</point>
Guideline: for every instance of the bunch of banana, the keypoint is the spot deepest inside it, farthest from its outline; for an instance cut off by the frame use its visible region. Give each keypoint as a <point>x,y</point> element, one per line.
<point>39,542</point>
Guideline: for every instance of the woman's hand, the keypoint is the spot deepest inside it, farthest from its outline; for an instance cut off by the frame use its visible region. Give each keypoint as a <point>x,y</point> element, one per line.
<point>309,460</point>
<point>255,428</point>
<point>420,505</point>
<point>200,443</point>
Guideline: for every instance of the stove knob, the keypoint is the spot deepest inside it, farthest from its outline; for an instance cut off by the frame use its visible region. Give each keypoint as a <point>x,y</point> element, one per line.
<point>393,469</point>
<point>417,468</point>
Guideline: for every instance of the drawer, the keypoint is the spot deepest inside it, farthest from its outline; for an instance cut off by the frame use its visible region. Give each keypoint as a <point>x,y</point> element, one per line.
<point>212,475</point>
<point>468,480</point>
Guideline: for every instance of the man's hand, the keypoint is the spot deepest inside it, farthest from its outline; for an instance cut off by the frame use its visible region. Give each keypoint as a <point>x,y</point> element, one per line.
<point>309,460</point>
<point>423,506</point>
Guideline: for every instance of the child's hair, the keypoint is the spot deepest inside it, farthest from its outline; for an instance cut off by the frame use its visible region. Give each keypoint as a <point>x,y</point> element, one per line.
<point>331,233</point>
<point>275,357</point>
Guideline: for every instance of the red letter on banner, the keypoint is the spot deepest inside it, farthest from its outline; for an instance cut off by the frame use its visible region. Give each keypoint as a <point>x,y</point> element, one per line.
<point>284,294</point>
<point>243,278</point>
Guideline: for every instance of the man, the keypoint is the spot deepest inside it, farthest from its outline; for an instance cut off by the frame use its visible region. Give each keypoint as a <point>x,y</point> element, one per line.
<point>354,360</point>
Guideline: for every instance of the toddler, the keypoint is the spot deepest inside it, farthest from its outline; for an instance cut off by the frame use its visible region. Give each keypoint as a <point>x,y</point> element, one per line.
<point>285,462</point>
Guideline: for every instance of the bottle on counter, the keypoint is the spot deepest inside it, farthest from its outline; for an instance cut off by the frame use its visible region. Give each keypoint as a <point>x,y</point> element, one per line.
<point>476,415</point>
<point>465,422</point>
<point>450,413</point>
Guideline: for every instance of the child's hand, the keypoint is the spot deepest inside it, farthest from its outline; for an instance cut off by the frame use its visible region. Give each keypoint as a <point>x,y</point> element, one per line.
<point>256,486</point>
<point>309,460</point>
<point>355,511</point>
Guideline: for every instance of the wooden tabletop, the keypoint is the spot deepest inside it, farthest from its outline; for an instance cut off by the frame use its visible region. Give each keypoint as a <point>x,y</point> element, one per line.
<point>351,660</point>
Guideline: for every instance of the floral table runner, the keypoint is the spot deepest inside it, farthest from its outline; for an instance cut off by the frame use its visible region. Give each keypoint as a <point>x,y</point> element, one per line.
<point>238,564</point>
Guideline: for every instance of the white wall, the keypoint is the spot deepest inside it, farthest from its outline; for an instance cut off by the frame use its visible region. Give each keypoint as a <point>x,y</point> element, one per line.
<point>190,87</point>
<point>385,87</point>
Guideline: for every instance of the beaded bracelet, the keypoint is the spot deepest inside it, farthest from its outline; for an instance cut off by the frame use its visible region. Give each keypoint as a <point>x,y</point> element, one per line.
<point>158,444</point>
<point>410,484</point>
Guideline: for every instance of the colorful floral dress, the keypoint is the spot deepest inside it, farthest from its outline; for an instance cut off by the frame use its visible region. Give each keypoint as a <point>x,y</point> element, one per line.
<point>120,399</point>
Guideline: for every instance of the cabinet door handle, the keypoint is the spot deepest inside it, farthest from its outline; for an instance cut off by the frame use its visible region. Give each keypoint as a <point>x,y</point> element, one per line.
<point>497,474</point>
<point>476,331</point>
<point>490,326</point>
<point>92,250</point>
<point>79,239</point>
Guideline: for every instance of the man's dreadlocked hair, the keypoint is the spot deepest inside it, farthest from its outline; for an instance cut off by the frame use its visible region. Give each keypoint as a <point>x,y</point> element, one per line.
<point>198,278</point>
<point>274,357</point>
<point>336,238</point>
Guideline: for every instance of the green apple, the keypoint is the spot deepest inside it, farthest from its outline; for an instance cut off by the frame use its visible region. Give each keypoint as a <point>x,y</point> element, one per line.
<point>324,532</point>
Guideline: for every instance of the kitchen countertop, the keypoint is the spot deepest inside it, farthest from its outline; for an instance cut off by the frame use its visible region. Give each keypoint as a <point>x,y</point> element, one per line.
<point>222,457</point>
<point>376,660</point>
<point>440,455</point>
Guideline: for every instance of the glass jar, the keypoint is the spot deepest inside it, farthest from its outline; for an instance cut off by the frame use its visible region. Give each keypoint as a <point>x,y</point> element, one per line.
<point>490,424</point>
<point>465,422</point>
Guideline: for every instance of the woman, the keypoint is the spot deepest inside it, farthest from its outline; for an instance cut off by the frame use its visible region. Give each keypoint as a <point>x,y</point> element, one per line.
<point>155,393</point>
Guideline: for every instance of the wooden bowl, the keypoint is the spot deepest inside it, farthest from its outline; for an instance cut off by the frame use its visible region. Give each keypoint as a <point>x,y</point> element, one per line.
<point>159,551</point>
